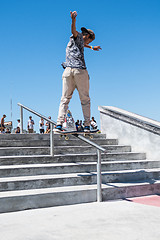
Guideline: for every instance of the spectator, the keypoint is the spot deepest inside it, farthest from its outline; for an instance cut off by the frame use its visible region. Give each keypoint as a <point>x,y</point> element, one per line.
<point>78,127</point>
<point>2,127</point>
<point>19,124</point>
<point>8,131</point>
<point>41,125</point>
<point>81,126</point>
<point>93,124</point>
<point>17,130</point>
<point>30,125</point>
<point>48,129</point>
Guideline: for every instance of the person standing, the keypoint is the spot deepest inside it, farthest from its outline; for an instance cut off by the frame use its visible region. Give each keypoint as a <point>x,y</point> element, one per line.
<point>18,124</point>
<point>30,125</point>
<point>75,74</point>
<point>2,123</point>
<point>41,125</point>
<point>48,129</point>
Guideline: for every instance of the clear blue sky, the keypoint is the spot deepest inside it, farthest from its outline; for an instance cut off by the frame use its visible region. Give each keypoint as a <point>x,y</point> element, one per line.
<point>125,74</point>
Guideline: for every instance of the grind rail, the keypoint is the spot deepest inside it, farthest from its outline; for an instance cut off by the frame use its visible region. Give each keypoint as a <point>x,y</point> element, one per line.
<point>53,123</point>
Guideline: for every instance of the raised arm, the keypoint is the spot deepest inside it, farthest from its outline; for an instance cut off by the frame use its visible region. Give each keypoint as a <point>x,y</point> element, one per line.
<point>95,48</point>
<point>73,25</point>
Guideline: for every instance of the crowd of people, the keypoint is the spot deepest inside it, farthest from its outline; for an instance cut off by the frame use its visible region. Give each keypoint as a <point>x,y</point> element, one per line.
<point>30,126</point>
<point>42,125</point>
<point>80,125</point>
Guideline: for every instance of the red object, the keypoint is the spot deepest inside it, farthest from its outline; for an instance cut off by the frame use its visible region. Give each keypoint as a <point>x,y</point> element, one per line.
<point>153,200</point>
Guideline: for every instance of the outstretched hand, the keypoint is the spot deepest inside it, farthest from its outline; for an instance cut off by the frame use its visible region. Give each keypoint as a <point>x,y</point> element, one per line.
<point>97,48</point>
<point>73,14</point>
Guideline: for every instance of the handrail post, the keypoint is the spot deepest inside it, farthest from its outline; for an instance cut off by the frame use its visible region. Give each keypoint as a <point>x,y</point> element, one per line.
<point>21,119</point>
<point>51,141</point>
<point>99,177</point>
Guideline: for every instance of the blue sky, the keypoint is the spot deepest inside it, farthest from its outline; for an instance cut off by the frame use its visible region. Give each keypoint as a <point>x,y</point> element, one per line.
<point>125,74</point>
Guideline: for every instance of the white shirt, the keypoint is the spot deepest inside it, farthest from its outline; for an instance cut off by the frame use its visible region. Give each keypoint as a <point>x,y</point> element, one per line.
<point>30,123</point>
<point>93,124</point>
<point>41,124</point>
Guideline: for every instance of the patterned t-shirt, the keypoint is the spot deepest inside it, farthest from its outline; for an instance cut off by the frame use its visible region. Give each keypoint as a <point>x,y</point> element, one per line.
<point>75,53</point>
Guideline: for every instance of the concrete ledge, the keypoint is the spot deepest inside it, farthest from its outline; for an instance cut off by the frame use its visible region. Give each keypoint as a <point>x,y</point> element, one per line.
<point>142,133</point>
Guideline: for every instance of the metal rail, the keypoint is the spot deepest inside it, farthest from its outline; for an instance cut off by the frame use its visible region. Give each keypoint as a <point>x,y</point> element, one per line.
<point>99,148</point>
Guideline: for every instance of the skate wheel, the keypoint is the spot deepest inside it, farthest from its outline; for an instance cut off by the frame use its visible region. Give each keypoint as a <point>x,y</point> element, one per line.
<point>67,138</point>
<point>91,137</point>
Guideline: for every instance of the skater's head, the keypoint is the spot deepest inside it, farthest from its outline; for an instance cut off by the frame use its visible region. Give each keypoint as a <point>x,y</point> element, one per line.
<point>88,35</point>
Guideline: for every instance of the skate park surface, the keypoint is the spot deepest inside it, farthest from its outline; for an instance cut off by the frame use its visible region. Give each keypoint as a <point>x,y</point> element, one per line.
<point>130,219</point>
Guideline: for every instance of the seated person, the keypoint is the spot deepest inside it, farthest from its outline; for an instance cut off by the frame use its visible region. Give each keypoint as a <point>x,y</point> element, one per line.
<point>8,131</point>
<point>93,123</point>
<point>17,130</point>
<point>78,127</point>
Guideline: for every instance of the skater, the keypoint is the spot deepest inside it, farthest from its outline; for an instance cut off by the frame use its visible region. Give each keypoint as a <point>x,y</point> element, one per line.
<point>75,74</point>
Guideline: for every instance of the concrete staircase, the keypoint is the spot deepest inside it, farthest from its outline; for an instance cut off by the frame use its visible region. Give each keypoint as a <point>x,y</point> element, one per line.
<point>30,178</point>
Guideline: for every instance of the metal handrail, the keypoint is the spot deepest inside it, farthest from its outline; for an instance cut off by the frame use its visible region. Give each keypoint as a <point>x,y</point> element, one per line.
<point>99,148</point>
<point>54,123</point>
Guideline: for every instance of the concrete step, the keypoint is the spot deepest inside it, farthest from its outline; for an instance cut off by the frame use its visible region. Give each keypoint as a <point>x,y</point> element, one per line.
<point>36,136</point>
<point>127,190</point>
<point>57,142</point>
<point>22,143</point>
<point>74,179</point>
<point>91,157</point>
<point>19,151</point>
<point>30,178</point>
<point>78,142</point>
<point>15,151</point>
<point>64,168</point>
<point>40,198</point>
<point>24,137</point>
<point>124,156</point>
<point>89,149</point>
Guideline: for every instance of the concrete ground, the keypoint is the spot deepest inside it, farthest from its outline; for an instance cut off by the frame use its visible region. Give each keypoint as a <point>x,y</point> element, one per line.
<point>116,220</point>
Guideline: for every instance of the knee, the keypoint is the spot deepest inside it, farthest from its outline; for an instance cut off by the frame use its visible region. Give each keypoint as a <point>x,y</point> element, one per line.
<point>85,100</point>
<point>65,100</point>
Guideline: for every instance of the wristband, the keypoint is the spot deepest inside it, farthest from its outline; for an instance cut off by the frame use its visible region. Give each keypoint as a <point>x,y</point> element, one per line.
<point>92,47</point>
